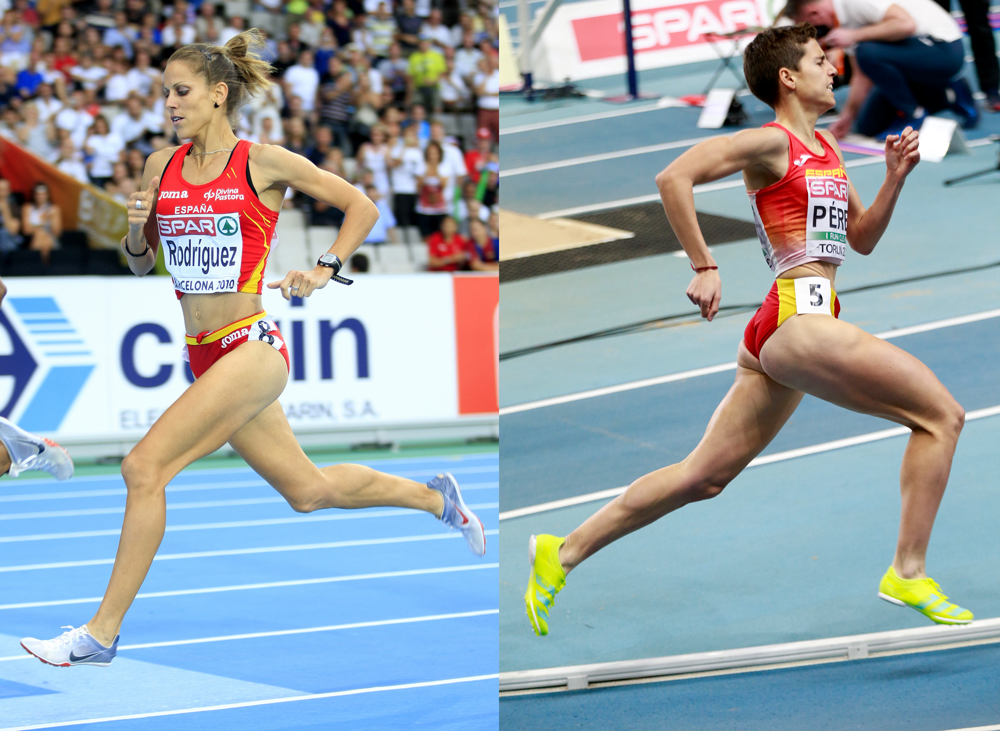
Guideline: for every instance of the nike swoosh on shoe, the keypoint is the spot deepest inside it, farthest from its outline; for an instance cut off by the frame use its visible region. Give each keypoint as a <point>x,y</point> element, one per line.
<point>80,658</point>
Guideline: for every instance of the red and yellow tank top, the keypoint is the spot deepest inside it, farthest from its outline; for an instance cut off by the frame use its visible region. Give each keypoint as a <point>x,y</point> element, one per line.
<point>216,236</point>
<point>803,217</point>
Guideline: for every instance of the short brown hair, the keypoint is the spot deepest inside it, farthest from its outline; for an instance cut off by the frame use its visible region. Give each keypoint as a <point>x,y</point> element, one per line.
<point>772,50</point>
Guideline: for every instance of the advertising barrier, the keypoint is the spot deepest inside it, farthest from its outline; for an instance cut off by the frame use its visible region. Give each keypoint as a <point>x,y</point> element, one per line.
<point>84,207</point>
<point>585,40</point>
<point>96,360</point>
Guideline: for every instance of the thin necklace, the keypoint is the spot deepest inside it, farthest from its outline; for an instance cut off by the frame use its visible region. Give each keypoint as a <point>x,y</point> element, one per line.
<point>193,154</point>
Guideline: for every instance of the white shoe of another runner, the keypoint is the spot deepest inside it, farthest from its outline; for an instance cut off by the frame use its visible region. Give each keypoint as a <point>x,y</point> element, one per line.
<point>76,647</point>
<point>457,515</point>
<point>29,452</point>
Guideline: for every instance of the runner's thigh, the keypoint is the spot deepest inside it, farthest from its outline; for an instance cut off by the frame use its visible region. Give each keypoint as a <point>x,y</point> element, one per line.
<point>843,364</point>
<point>228,395</point>
<point>746,421</point>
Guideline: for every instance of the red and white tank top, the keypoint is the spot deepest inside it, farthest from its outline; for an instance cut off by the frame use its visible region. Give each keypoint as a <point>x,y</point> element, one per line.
<point>803,217</point>
<point>216,236</point>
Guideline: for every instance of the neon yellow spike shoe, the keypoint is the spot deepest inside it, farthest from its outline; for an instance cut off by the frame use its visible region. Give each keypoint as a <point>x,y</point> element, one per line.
<point>924,595</point>
<point>547,578</point>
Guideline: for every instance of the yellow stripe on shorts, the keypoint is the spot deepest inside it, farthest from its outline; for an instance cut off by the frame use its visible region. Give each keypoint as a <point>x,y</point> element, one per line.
<point>224,331</point>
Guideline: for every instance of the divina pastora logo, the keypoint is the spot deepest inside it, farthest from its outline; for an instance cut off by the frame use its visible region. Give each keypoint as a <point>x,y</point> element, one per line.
<point>46,364</point>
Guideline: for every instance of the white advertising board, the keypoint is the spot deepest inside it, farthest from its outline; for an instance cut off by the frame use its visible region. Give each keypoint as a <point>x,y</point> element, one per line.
<point>100,357</point>
<point>585,40</point>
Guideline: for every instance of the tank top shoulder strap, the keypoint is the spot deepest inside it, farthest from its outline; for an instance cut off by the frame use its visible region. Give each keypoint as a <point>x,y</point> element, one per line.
<point>795,144</point>
<point>175,169</point>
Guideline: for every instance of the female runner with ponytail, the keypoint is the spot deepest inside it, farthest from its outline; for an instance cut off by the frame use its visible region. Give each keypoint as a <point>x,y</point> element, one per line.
<point>216,201</point>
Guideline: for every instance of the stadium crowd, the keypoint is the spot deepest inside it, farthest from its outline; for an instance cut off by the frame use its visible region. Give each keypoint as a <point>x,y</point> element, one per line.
<point>400,97</point>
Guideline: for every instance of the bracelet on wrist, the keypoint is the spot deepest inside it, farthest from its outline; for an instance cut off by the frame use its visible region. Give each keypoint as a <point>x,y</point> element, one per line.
<point>702,269</point>
<point>136,256</point>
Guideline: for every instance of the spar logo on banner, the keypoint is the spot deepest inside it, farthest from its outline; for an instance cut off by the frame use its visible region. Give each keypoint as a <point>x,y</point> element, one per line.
<point>673,25</point>
<point>46,363</point>
<point>587,39</point>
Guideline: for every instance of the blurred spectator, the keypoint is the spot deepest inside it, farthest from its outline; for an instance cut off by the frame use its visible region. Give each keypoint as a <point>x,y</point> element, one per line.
<point>395,72</point>
<point>74,120</point>
<point>235,26</point>
<point>302,80</point>
<point>359,264</point>
<point>484,252</point>
<point>208,26</point>
<point>270,133</point>
<point>372,6</point>
<point>9,122</point>
<point>434,191</point>
<point>467,57</point>
<point>295,136</point>
<point>121,34</point>
<point>137,126</point>
<point>426,67</point>
<point>30,78</point>
<point>478,158</point>
<point>104,148</point>
<point>326,49</point>
<point>339,23</point>
<point>50,12</point>
<point>438,34</point>
<point>136,163</point>
<point>178,32</point>
<point>41,222</point>
<point>89,75</point>
<point>494,226</point>
<point>69,161</point>
<point>453,164</point>
<point>487,87</point>
<point>336,96</point>
<point>10,219</point>
<point>382,31</point>
<point>408,28</point>
<point>143,78</point>
<point>469,207</point>
<point>36,135</point>
<point>406,163</point>
<point>121,185</point>
<point>447,250</point>
<point>384,230</point>
<point>322,144</point>
<point>374,156</point>
<point>456,96</point>
<point>118,87</point>
<point>48,105</point>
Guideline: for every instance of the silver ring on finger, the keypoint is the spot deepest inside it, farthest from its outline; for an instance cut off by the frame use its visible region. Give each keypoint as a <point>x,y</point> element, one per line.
<point>138,205</point>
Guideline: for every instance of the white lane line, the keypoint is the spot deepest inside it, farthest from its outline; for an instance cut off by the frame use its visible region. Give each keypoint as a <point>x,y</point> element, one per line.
<point>347,515</point>
<point>285,632</point>
<point>519,129</point>
<point>245,551</point>
<point>266,585</point>
<point>586,159</point>
<point>121,508</point>
<point>28,497</point>
<point>887,335</point>
<point>707,188</point>
<point>270,701</point>
<point>768,459</point>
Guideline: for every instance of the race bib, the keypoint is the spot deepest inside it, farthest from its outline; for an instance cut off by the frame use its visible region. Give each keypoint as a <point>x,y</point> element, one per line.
<point>826,215</point>
<point>813,296</point>
<point>202,251</point>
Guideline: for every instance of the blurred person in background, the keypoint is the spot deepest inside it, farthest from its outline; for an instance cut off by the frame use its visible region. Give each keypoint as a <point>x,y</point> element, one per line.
<point>295,136</point>
<point>384,230</point>
<point>408,28</point>
<point>484,251</point>
<point>486,84</point>
<point>406,164</point>
<point>270,133</point>
<point>301,79</point>
<point>382,31</point>
<point>325,50</point>
<point>122,34</point>
<point>208,26</point>
<point>453,164</point>
<point>337,96</point>
<point>38,136</point>
<point>41,222</point>
<point>234,27</point>
<point>10,219</point>
<point>143,78</point>
<point>121,185</point>
<point>69,161</point>
<point>135,161</point>
<point>467,57</point>
<point>456,96</point>
<point>89,75</point>
<point>338,21</point>
<point>374,156</point>
<point>447,249</point>
<point>104,148</point>
<point>426,67</point>
<point>136,125</point>
<point>439,34</point>
<point>74,119</point>
<point>47,103</point>
<point>10,119</point>
<point>434,192</point>
<point>395,72</point>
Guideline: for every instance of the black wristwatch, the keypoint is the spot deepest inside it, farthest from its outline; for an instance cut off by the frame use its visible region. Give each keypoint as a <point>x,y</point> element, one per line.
<point>333,261</point>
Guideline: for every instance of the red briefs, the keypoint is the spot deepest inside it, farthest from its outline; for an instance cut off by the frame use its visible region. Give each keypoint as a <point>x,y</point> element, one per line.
<point>780,304</point>
<point>202,351</point>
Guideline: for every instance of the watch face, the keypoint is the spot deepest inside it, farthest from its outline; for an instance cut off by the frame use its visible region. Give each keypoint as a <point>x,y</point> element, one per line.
<point>328,259</point>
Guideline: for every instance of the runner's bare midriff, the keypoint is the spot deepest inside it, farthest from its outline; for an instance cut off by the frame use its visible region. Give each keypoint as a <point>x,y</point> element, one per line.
<point>811,269</point>
<point>206,312</point>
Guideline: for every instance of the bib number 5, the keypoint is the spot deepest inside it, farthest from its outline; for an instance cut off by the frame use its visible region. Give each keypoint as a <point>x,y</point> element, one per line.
<point>813,296</point>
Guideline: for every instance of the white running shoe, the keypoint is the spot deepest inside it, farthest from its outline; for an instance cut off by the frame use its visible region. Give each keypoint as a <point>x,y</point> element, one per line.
<point>76,647</point>
<point>28,452</point>
<point>456,513</point>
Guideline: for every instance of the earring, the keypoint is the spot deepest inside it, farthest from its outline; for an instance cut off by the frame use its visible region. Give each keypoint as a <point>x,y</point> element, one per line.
<point>217,105</point>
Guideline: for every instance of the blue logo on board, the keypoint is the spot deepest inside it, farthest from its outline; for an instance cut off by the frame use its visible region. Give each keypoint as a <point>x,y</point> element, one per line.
<point>60,373</point>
